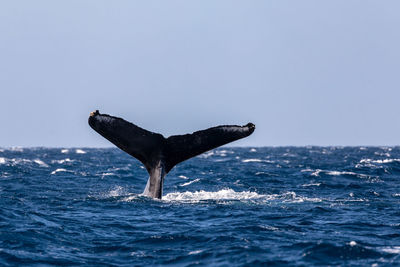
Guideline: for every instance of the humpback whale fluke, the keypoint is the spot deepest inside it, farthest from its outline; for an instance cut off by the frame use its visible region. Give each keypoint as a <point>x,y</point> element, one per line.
<point>158,154</point>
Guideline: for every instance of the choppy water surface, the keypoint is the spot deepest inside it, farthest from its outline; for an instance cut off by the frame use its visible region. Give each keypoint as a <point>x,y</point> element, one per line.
<point>231,206</point>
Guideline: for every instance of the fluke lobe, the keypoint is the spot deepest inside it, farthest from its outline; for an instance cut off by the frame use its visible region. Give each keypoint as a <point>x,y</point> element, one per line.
<point>158,154</point>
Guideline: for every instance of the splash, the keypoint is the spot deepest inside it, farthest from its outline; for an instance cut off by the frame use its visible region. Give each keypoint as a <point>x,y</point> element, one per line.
<point>231,195</point>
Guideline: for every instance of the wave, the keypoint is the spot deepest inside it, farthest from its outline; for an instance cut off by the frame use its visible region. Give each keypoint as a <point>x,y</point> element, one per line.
<point>62,161</point>
<point>80,151</point>
<point>252,160</point>
<point>191,182</point>
<point>40,163</point>
<point>59,170</point>
<point>392,250</point>
<point>379,161</point>
<point>257,160</point>
<point>317,173</point>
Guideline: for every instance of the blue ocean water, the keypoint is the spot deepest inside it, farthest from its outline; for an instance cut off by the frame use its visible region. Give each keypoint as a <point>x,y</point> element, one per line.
<point>295,206</point>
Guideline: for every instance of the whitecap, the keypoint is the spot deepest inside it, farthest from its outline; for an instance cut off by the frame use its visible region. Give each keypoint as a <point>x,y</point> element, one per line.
<point>252,160</point>
<point>352,243</point>
<point>221,160</point>
<point>183,177</point>
<point>268,227</point>
<point>194,252</point>
<point>107,174</point>
<point>206,155</point>
<point>190,182</point>
<point>293,198</point>
<point>335,173</point>
<point>80,151</point>
<point>253,150</point>
<point>312,184</point>
<point>18,161</point>
<point>3,160</point>
<point>62,161</point>
<point>59,170</point>
<point>41,163</point>
<point>379,161</point>
<point>392,250</point>
<point>64,151</point>
<point>316,172</point>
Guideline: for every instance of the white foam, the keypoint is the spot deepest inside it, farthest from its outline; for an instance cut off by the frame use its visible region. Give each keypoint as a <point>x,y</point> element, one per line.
<point>18,161</point>
<point>292,197</point>
<point>191,182</point>
<point>392,250</point>
<point>224,194</point>
<point>206,155</point>
<point>64,151</point>
<point>58,170</point>
<point>253,150</point>
<point>352,243</point>
<point>62,161</point>
<point>316,172</point>
<point>194,252</point>
<point>231,195</point>
<point>312,184</point>
<point>107,174</point>
<point>80,151</point>
<point>224,152</point>
<point>335,173</point>
<point>252,160</point>
<point>183,177</point>
<point>118,191</point>
<point>41,163</point>
<point>3,160</point>
<point>379,161</point>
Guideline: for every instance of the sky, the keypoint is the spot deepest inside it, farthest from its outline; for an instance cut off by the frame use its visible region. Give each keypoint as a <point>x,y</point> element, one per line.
<point>305,72</point>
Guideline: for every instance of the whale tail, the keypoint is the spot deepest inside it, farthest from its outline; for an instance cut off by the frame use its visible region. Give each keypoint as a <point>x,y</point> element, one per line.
<point>159,154</point>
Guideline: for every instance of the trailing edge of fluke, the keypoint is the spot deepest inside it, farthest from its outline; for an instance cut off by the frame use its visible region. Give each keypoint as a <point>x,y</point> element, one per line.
<point>159,154</point>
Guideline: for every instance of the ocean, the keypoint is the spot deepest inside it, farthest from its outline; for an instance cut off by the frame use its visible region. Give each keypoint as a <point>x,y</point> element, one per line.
<point>274,206</point>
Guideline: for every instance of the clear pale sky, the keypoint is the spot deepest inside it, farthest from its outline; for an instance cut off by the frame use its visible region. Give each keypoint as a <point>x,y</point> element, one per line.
<point>305,72</point>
